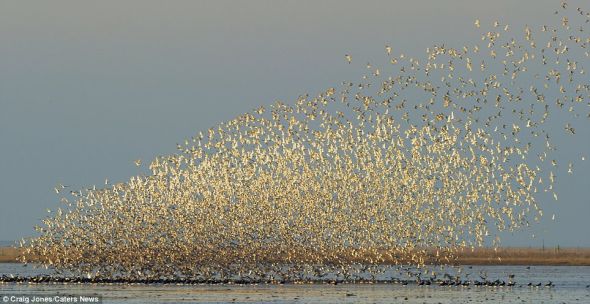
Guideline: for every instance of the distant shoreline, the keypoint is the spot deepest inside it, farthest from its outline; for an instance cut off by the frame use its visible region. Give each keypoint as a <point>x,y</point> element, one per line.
<point>479,256</point>
<point>525,256</point>
<point>8,255</point>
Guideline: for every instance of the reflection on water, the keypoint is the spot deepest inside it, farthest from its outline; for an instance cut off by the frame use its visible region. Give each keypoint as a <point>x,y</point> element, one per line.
<point>571,286</point>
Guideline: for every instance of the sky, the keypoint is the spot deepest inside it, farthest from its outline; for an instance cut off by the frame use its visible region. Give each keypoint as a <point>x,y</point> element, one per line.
<point>88,87</point>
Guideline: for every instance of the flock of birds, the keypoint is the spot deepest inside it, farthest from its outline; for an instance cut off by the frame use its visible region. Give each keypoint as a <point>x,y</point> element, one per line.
<point>393,170</point>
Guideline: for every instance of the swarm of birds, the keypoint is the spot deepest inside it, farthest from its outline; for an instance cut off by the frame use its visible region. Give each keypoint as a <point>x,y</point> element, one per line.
<point>404,169</point>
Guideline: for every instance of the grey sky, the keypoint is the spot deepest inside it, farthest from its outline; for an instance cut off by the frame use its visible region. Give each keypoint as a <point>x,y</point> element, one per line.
<point>87,87</point>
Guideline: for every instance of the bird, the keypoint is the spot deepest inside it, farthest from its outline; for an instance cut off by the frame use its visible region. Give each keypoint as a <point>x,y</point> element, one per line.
<point>362,174</point>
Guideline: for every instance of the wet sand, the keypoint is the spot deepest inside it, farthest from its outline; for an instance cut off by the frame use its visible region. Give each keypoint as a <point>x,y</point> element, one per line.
<point>480,256</point>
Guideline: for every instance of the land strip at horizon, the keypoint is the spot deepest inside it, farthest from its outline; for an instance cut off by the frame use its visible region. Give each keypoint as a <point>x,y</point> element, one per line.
<point>478,256</point>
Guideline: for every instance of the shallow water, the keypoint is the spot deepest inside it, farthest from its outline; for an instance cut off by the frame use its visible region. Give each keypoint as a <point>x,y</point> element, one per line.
<point>571,286</point>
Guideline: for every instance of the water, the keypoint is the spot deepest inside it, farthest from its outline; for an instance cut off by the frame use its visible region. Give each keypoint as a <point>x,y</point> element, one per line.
<point>570,287</point>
